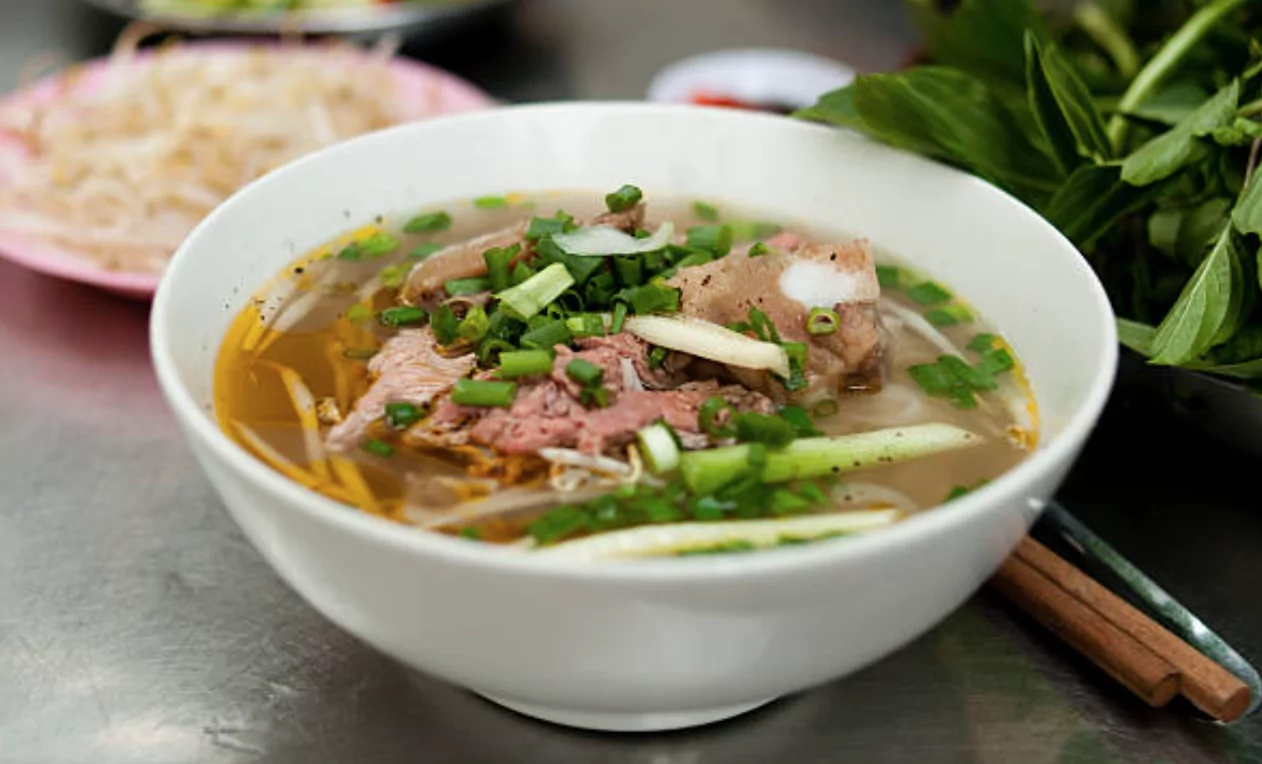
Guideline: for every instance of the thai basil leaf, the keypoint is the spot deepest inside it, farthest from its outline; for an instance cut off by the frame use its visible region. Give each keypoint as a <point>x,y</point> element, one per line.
<point>1241,132</point>
<point>1136,336</point>
<point>952,116</point>
<point>1092,200</point>
<point>1210,302</point>
<point>1163,230</point>
<point>1178,147</point>
<point>981,37</point>
<point>1247,216</point>
<point>1173,104</point>
<point>1063,107</point>
<point>1199,230</point>
<point>836,108</point>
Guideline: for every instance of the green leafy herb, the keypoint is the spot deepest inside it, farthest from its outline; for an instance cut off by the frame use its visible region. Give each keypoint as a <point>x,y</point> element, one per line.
<point>715,239</point>
<point>445,325</point>
<point>706,212</point>
<point>429,222</point>
<point>927,294</point>
<point>949,315</point>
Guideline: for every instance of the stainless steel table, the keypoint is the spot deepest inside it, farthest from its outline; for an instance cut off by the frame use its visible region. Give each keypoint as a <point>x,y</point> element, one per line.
<point>136,624</point>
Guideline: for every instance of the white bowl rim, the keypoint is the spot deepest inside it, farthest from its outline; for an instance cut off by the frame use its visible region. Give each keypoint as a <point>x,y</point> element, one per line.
<point>1004,490</point>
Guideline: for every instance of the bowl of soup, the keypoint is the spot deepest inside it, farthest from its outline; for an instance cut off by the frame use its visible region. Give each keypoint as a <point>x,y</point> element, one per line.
<point>629,416</point>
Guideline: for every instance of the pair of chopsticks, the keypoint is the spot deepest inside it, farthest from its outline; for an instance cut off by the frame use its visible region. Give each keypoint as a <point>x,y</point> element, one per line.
<point>1150,660</point>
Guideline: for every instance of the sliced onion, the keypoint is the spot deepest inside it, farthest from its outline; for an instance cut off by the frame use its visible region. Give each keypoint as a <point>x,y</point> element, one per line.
<point>710,341</point>
<point>601,240</point>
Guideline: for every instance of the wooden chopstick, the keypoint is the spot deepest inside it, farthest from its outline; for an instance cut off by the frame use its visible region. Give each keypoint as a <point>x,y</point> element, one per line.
<point>1144,656</point>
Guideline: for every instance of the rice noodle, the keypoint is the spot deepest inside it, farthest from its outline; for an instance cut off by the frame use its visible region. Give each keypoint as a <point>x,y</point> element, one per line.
<point>918,324</point>
<point>572,458</point>
<point>125,162</point>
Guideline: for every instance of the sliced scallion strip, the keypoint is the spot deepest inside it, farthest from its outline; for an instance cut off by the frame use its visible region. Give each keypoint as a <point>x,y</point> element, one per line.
<point>624,198</point>
<point>659,448</point>
<point>483,393</point>
<point>823,321</point>
<point>523,363</point>
<point>584,372</point>
<point>402,315</point>
<point>536,293</point>
<point>707,471</point>
<point>402,415</point>
<point>473,285</point>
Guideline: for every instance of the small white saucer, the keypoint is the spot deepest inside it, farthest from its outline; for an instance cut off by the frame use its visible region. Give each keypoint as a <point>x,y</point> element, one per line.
<point>760,77</point>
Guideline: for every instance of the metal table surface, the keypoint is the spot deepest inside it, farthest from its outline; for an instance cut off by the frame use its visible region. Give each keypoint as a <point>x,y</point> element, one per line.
<point>137,625</point>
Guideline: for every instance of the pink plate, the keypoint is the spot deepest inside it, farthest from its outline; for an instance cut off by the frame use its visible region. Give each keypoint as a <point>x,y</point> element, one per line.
<point>425,92</point>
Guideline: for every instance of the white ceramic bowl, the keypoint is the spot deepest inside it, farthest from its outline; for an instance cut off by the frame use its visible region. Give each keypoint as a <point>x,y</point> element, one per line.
<point>663,643</point>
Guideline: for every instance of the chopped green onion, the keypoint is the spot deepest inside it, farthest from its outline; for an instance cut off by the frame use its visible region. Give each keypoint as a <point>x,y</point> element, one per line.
<point>456,287</point>
<point>706,212</point>
<point>623,199</point>
<point>424,250</point>
<point>801,421</point>
<point>716,239</point>
<point>707,471</point>
<point>392,276</point>
<point>927,294</point>
<point>541,227</point>
<point>650,298</point>
<point>400,416</point>
<point>471,534</point>
<point>584,372</point>
<point>762,327</point>
<point>659,448</point>
<point>524,363</point>
<point>962,490</point>
<point>889,276</point>
<point>474,325</point>
<point>491,348</point>
<point>619,318</point>
<point>483,393</point>
<point>379,448</point>
<point>563,521</point>
<point>796,352</point>
<point>521,273</point>
<point>785,502</point>
<point>358,313</point>
<point>490,202</point>
<point>547,335</point>
<point>445,325</point>
<point>594,397</point>
<point>497,266</point>
<point>599,290</point>
<point>823,321</point>
<point>709,413</point>
<point>657,356</point>
<point>693,259</point>
<point>402,315</point>
<point>749,230</point>
<point>536,293</point>
<point>586,325</point>
<point>429,222</point>
<point>630,270</point>
<point>759,249</point>
<point>759,428</point>
<point>948,315</point>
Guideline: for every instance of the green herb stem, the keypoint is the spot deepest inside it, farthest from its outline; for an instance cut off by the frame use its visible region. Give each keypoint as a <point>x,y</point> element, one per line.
<point>483,393</point>
<point>522,363</point>
<point>1162,65</point>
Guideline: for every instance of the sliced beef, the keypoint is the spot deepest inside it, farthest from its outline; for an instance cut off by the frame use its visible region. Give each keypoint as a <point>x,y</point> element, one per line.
<point>408,369</point>
<point>786,284</point>
<point>546,415</point>
<point>547,412</point>
<point>464,260</point>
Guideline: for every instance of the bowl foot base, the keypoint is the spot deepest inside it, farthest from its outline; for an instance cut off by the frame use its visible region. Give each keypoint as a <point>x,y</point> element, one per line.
<point>629,721</point>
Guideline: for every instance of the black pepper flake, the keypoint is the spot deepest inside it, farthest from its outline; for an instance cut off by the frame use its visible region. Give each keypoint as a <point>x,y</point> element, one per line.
<point>833,257</point>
